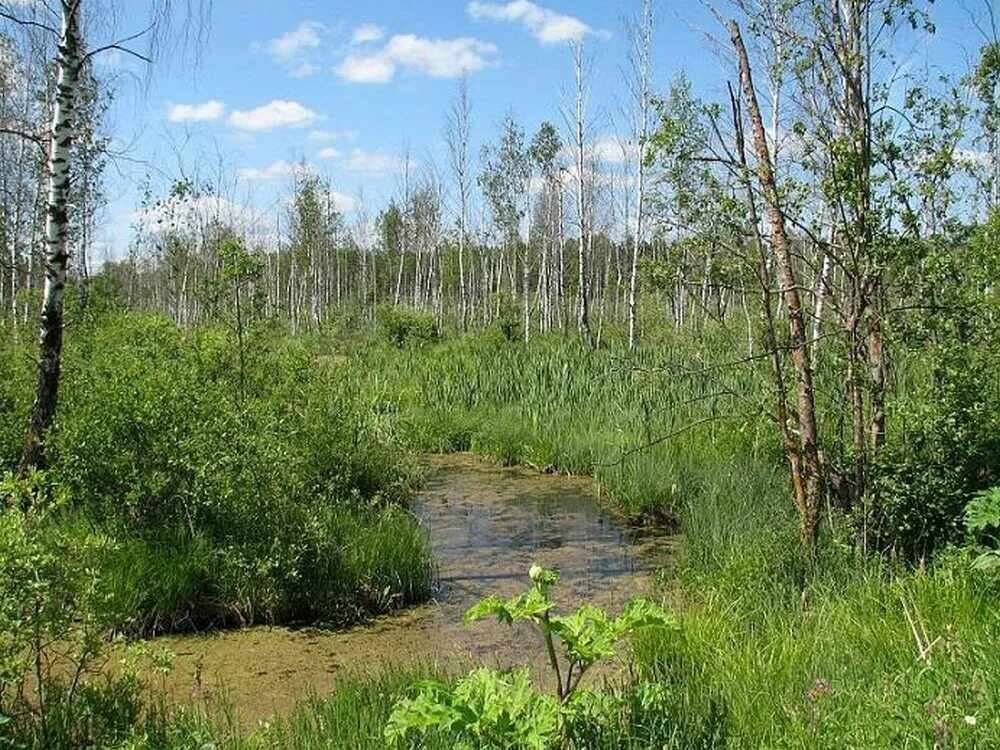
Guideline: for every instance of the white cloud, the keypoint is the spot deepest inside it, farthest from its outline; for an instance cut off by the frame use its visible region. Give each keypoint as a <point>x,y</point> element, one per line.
<point>370,69</point>
<point>438,58</point>
<point>613,149</point>
<point>187,215</point>
<point>343,203</point>
<point>304,70</point>
<point>329,153</point>
<point>275,169</point>
<point>210,110</point>
<point>278,113</point>
<point>370,162</point>
<point>326,136</point>
<point>546,25</point>
<point>289,45</point>
<point>367,32</point>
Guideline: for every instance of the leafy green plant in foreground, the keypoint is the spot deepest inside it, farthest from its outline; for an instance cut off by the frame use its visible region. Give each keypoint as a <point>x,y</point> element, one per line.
<point>982,517</point>
<point>496,708</point>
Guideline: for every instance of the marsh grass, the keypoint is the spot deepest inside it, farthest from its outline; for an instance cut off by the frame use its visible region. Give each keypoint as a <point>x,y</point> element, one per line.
<point>863,660</point>
<point>861,654</point>
<point>653,439</point>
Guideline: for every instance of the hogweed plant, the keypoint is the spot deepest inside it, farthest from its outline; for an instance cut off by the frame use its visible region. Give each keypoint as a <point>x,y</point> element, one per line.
<point>502,708</point>
<point>982,520</point>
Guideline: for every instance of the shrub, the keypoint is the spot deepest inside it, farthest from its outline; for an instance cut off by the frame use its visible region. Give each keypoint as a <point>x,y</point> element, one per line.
<point>402,326</point>
<point>224,506</point>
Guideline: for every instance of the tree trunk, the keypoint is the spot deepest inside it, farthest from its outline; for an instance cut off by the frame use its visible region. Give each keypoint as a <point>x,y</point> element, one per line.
<point>643,51</point>
<point>581,200</point>
<point>807,470</point>
<point>50,335</point>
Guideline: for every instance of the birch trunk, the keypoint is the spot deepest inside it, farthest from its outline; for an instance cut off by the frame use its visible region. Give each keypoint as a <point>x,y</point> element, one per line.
<point>643,51</point>
<point>50,331</point>
<point>581,198</point>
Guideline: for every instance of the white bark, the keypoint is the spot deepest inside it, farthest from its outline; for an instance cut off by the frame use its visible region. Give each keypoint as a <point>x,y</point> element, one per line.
<point>643,47</point>
<point>68,62</point>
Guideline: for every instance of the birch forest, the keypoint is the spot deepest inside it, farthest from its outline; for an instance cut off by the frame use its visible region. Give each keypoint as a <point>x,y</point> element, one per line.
<point>690,388</point>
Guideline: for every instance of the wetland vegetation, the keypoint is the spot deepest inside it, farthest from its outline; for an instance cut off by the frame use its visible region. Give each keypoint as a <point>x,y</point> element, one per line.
<point>688,443</point>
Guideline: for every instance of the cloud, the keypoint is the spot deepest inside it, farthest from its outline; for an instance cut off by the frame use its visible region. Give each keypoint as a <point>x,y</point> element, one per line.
<point>204,112</point>
<point>367,32</point>
<point>304,70</point>
<point>613,149</point>
<point>371,69</point>
<point>438,58</point>
<point>279,113</point>
<point>325,136</point>
<point>546,25</point>
<point>275,169</point>
<point>370,162</point>
<point>343,203</point>
<point>291,44</point>
<point>329,153</point>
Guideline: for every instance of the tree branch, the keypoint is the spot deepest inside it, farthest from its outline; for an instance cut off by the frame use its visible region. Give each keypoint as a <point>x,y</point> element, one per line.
<point>5,14</point>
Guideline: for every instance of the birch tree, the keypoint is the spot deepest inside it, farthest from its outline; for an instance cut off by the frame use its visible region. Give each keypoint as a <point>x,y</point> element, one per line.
<point>64,22</point>
<point>803,454</point>
<point>583,208</point>
<point>69,62</point>
<point>544,152</point>
<point>457,140</point>
<point>642,49</point>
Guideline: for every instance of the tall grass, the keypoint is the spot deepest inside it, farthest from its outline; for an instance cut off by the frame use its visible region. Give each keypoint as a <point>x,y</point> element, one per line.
<point>661,441</point>
<point>867,660</point>
<point>858,655</point>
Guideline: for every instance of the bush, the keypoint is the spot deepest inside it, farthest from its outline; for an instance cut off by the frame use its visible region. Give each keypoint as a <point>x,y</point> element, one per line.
<point>402,326</point>
<point>54,611</point>
<point>225,507</point>
<point>949,450</point>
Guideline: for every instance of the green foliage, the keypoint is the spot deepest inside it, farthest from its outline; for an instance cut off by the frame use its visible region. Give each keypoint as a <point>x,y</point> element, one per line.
<point>16,381</point>
<point>490,708</point>
<point>944,442</point>
<point>982,518</point>
<point>586,635</point>
<point>861,659</point>
<point>558,406</point>
<point>404,326</point>
<point>55,608</point>
<point>485,709</point>
<point>225,509</point>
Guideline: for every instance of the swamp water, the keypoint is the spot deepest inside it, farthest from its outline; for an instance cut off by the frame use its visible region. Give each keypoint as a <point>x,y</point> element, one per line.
<point>486,527</point>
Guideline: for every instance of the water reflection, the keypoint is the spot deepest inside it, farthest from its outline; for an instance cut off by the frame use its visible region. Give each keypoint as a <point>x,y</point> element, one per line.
<point>486,526</point>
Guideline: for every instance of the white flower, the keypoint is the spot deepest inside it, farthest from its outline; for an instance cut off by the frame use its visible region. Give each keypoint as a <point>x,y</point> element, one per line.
<point>534,571</point>
<point>970,720</point>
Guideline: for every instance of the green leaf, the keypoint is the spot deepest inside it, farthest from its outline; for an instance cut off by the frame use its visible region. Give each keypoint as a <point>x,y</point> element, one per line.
<point>983,512</point>
<point>528,606</point>
<point>988,561</point>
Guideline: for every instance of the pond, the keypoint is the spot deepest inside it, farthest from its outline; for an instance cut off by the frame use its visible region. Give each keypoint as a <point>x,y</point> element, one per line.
<point>486,526</point>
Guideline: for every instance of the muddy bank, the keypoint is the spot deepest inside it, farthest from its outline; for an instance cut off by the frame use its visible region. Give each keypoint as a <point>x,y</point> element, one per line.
<point>486,526</point>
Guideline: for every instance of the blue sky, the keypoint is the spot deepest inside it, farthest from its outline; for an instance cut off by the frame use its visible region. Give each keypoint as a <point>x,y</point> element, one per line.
<point>346,85</point>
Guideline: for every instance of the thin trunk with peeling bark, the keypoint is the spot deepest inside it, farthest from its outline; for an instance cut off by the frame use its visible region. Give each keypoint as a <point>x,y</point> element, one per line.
<point>583,310</point>
<point>807,469</point>
<point>69,60</point>
<point>643,52</point>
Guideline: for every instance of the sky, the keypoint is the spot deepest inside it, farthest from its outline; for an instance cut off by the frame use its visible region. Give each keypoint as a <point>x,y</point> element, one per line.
<point>348,86</point>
